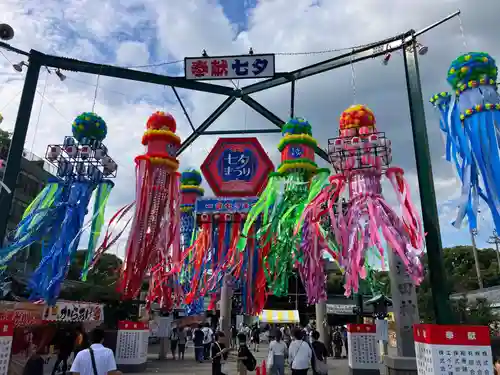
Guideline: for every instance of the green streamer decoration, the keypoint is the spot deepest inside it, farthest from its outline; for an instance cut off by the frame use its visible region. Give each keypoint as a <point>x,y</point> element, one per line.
<point>101,198</point>
<point>39,207</point>
<point>289,190</point>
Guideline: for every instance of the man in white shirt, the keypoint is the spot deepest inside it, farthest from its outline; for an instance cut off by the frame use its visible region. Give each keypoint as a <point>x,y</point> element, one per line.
<point>207,341</point>
<point>299,354</point>
<point>104,359</point>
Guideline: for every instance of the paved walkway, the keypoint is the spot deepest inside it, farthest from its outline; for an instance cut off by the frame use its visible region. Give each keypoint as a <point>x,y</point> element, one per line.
<point>189,366</point>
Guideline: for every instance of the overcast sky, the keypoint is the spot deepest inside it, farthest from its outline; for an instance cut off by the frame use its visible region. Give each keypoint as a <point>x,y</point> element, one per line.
<point>135,32</point>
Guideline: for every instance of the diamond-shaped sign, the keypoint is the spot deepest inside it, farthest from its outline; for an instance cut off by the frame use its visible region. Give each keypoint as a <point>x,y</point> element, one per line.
<point>237,167</point>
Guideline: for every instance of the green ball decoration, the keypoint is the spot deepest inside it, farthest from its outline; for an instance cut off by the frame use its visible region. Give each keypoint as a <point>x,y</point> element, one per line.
<point>191,177</point>
<point>472,66</point>
<point>89,126</point>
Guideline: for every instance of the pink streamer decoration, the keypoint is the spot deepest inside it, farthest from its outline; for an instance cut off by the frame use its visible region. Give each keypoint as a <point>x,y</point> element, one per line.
<point>358,230</point>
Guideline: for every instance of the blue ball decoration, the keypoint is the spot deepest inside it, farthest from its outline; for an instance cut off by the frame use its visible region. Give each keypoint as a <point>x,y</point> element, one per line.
<point>89,126</point>
<point>191,177</point>
<point>296,126</point>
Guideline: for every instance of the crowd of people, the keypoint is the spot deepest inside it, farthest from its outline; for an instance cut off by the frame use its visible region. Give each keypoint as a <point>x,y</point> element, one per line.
<point>300,347</point>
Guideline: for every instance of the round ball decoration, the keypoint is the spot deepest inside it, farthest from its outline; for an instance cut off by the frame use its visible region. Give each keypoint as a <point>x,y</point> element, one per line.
<point>472,69</point>
<point>191,177</point>
<point>295,126</point>
<point>161,121</point>
<point>89,126</point>
<point>357,116</point>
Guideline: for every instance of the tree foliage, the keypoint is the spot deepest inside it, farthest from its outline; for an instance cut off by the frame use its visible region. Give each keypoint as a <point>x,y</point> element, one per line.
<point>476,312</point>
<point>5,137</point>
<point>100,285</point>
<point>461,277</point>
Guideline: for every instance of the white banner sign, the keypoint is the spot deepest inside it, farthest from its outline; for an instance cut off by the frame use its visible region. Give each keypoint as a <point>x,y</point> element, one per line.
<point>229,67</point>
<point>339,309</point>
<point>74,312</point>
<point>132,343</point>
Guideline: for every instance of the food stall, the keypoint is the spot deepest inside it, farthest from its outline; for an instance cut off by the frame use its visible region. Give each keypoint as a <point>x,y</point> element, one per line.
<point>36,327</point>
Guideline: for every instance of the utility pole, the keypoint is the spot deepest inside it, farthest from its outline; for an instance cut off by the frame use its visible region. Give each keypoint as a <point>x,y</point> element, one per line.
<point>496,240</point>
<point>473,234</point>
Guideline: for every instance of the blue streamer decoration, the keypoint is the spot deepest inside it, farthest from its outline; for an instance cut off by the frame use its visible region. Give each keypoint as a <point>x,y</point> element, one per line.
<point>471,122</point>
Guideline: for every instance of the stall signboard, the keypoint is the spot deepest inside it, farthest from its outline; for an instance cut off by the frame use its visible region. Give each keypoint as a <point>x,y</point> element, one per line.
<point>6,333</point>
<point>363,347</point>
<point>453,350</point>
<point>74,312</point>
<point>224,205</point>
<point>132,343</point>
<point>229,67</point>
<point>21,314</point>
<point>339,309</point>
<point>237,167</point>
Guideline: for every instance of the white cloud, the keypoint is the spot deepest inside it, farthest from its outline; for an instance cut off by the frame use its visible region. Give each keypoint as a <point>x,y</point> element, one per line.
<point>131,53</point>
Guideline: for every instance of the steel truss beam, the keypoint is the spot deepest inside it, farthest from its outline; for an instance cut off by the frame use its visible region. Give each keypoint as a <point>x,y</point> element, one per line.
<point>64,63</point>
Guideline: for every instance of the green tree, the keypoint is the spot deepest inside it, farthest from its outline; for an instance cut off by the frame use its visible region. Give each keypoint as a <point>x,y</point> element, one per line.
<point>101,281</point>
<point>461,277</point>
<point>335,283</point>
<point>477,312</point>
<point>5,137</point>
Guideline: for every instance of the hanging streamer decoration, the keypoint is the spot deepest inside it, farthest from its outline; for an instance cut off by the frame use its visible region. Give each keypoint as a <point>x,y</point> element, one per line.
<point>100,200</point>
<point>212,255</point>
<point>280,207</point>
<point>190,191</point>
<point>55,218</point>
<point>153,246</point>
<point>360,155</point>
<point>470,120</point>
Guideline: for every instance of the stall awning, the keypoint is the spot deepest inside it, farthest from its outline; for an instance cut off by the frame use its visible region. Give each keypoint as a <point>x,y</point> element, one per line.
<point>279,316</point>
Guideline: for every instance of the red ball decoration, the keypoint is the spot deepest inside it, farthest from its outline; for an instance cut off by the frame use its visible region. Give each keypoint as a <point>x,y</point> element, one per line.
<point>357,116</point>
<point>161,121</point>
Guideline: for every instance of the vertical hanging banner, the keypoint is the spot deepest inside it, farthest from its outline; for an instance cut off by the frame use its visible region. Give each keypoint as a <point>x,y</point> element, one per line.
<point>363,355</point>
<point>132,346</point>
<point>6,334</point>
<point>229,67</point>
<point>457,350</point>
<point>237,167</point>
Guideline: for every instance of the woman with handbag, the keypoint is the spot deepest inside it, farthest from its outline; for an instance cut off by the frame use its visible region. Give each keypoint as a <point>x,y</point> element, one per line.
<point>299,354</point>
<point>320,353</point>
<point>276,357</point>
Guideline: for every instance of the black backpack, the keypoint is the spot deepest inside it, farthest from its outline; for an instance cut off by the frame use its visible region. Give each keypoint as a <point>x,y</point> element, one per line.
<point>250,363</point>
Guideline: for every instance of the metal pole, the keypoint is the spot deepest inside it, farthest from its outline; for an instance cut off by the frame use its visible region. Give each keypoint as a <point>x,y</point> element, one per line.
<point>498,255</point>
<point>440,294</point>
<point>17,144</point>
<point>321,308</point>
<point>225,309</point>
<point>297,292</point>
<point>292,99</point>
<point>476,259</point>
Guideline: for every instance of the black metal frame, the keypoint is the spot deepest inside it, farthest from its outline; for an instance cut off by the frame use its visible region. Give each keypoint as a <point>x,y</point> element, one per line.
<point>400,42</point>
